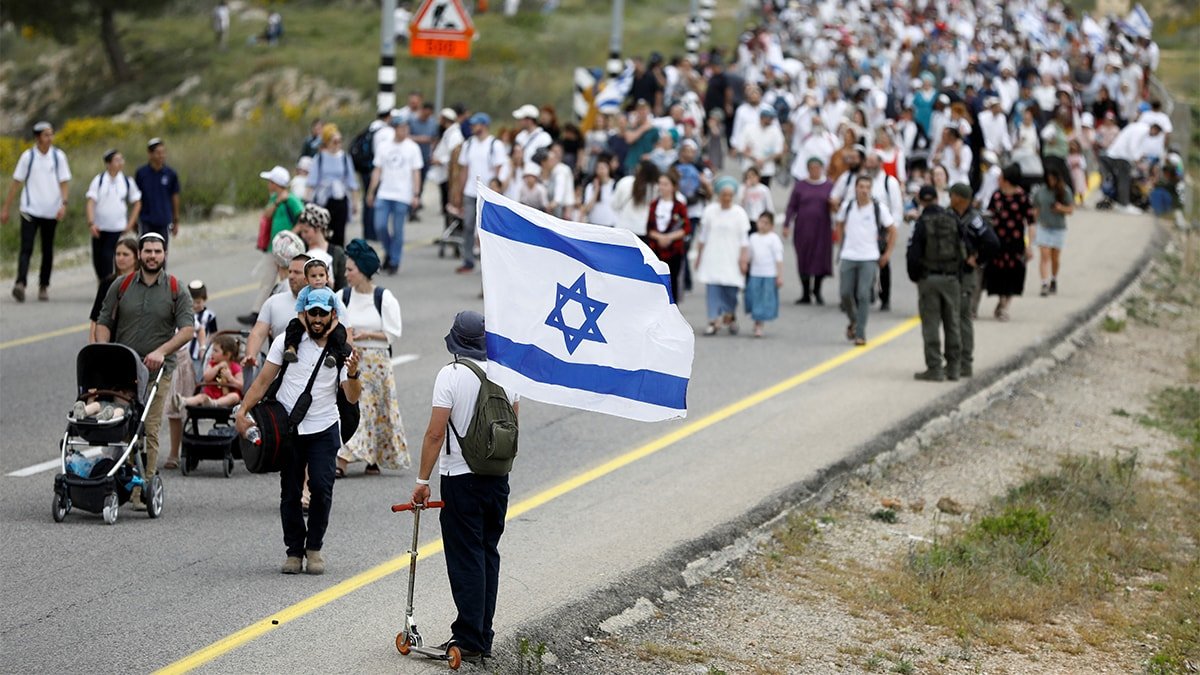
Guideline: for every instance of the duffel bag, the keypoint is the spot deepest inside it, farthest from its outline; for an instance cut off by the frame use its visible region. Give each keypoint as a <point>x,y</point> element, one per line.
<point>271,450</point>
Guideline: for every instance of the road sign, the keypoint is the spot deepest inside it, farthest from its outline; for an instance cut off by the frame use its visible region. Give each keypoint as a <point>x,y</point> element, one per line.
<point>441,29</point>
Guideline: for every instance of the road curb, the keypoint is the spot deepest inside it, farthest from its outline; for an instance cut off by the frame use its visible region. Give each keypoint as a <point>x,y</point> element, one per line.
<point>641,594</point>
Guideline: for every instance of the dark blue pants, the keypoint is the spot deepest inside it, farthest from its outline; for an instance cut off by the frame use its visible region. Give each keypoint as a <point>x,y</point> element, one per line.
<point>472,522</point>
<point>318,453</point>
<point>104,250</point>
<point>30,229</point>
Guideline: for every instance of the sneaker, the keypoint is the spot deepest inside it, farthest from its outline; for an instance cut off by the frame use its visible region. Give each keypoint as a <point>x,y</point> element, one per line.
<point>885,307</point>
<point>43,293</point>
<point>135,498</point>
<point>79,410</point>
<point>468,655</point>
<point>1054,287</point>
<point>18,292</point>
<point>465,269</point>
<point>804,300</point>
<point>1131,210</point>
<point>952,375</point>
<point>316,564</point>
<point>1045,290</point>
<point>930,376</point>
<point>289,355</point>
<point>818,298</point>
<point>292,565</point>
<point>248,319</point>
<point>105,414</point>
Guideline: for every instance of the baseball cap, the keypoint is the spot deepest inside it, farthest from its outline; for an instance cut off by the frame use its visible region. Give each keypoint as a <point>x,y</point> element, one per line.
<point>532,169</point>
<point>304,163</point>
<point>319,298</point>
<point>961,189</point>
<point>927,193</point>
<point>526,112</point>
<point>277,175</point>
<point>480,118</point>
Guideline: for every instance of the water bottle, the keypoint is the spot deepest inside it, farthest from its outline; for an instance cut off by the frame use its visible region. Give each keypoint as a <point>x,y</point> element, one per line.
<point>252,434</point>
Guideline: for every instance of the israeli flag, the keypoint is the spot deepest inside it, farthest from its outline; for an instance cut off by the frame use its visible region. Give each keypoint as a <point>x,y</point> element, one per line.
<point>580,315</point>
<point>1139,23</point>
<point>615,90</point>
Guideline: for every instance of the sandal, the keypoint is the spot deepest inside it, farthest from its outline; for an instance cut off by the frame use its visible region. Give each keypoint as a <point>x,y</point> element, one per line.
<point>170,465</point>
<point>372,470</point>
<point>733,328</point>
<point>850,331</point>
<point>339,472</point>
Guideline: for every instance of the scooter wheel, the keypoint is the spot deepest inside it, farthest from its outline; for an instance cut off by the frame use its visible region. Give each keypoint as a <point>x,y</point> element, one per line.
<point>403,645</point>
<point>453,657</point>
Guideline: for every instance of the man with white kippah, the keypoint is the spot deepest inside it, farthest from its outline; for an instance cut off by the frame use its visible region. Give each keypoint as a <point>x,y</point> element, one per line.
<point>42,176</point>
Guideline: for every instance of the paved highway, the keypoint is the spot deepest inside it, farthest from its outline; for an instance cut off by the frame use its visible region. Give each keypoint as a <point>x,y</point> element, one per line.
<point>594,498</point>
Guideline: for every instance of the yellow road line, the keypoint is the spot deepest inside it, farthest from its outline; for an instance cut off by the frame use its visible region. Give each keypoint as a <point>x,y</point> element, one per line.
<point>83,327</point>
<point>314,602</point>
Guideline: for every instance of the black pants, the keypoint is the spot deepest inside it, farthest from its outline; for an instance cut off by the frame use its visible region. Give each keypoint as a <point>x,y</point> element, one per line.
<point>339,213</point>
<point>318,453</point>
<point>885,284</point>
<point>472,522</point>
<point>336,341</point>
<point>104,250</point>
<point>368,213</point>
<point>162,230</point>
<point>32,227</point>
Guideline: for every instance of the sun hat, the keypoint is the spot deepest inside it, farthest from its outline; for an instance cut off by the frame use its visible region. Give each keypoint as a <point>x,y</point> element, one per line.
<point>466,336</point>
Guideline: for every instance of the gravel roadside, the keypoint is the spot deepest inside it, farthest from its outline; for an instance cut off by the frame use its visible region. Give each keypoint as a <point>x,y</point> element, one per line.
<point>760,616</point>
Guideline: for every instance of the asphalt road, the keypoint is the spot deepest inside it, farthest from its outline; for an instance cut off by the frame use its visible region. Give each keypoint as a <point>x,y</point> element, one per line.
<point>85,597</point>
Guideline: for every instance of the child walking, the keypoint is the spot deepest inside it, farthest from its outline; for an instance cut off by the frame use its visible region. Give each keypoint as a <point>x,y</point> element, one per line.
<point>224,374</point>
<point>317,276</point>
<point>766,273</point>
<point>754,197</point>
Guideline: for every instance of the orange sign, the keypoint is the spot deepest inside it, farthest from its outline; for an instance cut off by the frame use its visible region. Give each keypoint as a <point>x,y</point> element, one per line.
<point>439,48</point>
<point>441,29</point>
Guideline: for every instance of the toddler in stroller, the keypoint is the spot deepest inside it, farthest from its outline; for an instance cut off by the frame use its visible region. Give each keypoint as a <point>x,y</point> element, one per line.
<point>207,432</point>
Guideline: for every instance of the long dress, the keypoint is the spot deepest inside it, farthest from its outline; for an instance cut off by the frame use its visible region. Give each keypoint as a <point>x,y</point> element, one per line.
<point>808,213</point>
<point>1010,214</point>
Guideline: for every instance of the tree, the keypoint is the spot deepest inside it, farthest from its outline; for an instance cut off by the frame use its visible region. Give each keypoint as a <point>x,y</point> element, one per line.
<point>65,19</point>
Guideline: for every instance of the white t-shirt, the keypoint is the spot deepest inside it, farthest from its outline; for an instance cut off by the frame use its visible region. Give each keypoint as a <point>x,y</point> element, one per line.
<point>766,252</point>
<point>861,241</point>
<point>532,141</point>
<point>439,172</point>
<point>360,313</point>
<point>323,412</point>
<point>761,143</point>
<point>113,195</point>
<point>41,194</point>
<point>278,311</point>
<point>457,388</point>
<point>602,212</point>
<point>483,159</point>
<point>397,161</point>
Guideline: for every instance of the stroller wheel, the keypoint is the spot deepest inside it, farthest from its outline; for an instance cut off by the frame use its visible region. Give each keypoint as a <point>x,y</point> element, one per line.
<point>154,497</point>
<point>60,508</point>
<point>185,464</point>
<point>110,509</point>
<point>227,465</point>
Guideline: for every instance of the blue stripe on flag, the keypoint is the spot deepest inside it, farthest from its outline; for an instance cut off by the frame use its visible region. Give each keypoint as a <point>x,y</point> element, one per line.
<point>646,386</point>
<point>614,259</point>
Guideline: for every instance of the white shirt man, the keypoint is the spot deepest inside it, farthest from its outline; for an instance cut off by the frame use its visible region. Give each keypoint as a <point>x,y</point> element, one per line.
<point>531,137</point>
<point>860,242</point>
<point>42,174</point>
<point>1133,143</point>
<point>994,126</point>
<point>110,195</point>
<point>762,144</point>
<point>398,167</point>
<point>483,156</point>
<point>820,143</point>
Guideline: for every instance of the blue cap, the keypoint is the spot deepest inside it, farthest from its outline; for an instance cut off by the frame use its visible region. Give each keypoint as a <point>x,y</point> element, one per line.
<point>480,118</point>
<point>320,298</point>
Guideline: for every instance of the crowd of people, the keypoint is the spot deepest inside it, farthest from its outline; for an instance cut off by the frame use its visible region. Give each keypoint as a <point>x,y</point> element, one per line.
<point>979,126</point>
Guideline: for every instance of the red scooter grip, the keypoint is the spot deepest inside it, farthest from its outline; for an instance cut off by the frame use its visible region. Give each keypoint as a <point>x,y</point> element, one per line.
<point>408,506</point>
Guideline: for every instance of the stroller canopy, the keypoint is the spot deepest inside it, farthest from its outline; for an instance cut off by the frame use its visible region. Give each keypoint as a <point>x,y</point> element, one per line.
<point>111,366</point>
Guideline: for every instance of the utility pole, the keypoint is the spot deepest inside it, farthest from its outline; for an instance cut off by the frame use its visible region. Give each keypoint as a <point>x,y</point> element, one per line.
<point>615,65</point>
<point>386,99</point>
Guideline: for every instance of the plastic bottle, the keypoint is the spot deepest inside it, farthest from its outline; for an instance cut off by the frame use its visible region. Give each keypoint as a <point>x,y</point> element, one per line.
<point>252,434</point>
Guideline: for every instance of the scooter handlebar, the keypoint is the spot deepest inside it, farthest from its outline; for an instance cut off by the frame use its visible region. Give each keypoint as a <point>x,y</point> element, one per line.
<point>409,506</point>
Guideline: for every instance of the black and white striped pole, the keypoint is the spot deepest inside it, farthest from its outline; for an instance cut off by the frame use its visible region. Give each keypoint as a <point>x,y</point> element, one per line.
<point>706,13</point>
<point>386,98</point>
<point>615,65</point>
<point>691,43</point>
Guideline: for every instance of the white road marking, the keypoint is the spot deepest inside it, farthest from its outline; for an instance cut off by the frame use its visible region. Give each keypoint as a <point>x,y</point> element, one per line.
<point>51,464</point>
<point>92,452</point>
<point>404,358</point>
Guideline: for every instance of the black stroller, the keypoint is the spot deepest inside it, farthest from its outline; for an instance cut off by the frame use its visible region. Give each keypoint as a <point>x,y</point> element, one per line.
<point>208,431</point>
<point>109,419</point>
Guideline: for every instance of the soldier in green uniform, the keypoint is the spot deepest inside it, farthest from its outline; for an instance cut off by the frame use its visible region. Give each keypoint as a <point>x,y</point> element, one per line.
<point>935,258</point>
<point>981,243</point>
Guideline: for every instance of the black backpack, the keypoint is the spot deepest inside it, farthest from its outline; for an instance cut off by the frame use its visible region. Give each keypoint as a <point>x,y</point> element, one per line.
<point>362,151</point>
<point>490,444</point>
<point>944,249</point>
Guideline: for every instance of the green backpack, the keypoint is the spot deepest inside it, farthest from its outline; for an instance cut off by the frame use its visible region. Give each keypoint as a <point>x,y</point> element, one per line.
<point>490,444</point>
<point>944,248</point>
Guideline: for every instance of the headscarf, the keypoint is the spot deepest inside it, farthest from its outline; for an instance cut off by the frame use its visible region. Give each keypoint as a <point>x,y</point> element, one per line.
<point>726,182</point>
<point>364,257</point>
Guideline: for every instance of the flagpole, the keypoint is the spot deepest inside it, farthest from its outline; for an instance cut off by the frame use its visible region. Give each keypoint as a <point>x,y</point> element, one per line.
<point>615,66</point>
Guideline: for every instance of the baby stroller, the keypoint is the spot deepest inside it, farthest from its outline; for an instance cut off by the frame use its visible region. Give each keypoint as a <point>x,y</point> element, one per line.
<point>452,236</point>
<point>208,431</point>
<point>113,376</point>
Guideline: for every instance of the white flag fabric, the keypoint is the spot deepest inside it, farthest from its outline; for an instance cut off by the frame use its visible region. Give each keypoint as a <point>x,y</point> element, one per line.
<point>580,315</point>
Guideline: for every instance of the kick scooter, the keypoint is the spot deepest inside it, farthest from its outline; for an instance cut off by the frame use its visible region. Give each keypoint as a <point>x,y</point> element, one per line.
<point>410,639</point>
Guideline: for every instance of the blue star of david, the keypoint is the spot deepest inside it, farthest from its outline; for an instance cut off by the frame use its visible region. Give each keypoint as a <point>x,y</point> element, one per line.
<point>592,309</point>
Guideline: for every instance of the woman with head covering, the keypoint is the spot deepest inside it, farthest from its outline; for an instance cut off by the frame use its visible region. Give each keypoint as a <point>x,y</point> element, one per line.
<point>722,258</point>
<point>373,314</point>
<point>808,212</point>
<point>333,184</point>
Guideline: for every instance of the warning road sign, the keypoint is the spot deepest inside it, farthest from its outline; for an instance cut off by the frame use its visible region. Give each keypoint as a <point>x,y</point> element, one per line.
<point>441,29</point>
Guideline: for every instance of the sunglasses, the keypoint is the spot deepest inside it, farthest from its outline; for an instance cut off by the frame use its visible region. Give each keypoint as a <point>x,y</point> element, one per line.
<point>318,313</point>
